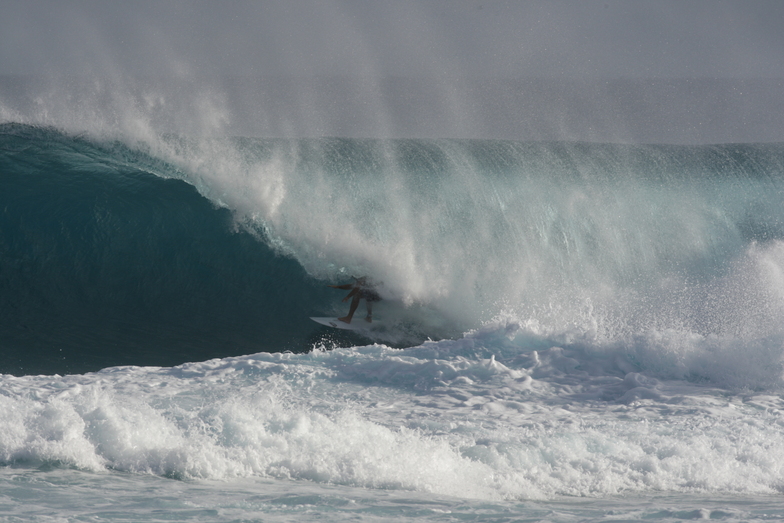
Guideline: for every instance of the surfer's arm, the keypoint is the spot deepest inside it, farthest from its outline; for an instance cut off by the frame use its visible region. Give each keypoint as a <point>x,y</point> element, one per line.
<point>344,287</point>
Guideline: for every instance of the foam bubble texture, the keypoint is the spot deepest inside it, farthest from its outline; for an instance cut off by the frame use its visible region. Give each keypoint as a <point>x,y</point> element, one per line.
<point>502,413</point>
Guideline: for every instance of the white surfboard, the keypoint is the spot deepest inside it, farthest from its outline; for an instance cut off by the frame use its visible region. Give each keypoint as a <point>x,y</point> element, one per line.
<point>357,324</point>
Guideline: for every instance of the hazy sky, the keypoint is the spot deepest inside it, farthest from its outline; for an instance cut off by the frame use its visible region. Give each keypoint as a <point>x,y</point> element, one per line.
<point>604,38</point>
<point>433,41</point>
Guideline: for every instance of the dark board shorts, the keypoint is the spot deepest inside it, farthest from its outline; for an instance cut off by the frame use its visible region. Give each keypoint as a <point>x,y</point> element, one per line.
<point>369,295</point>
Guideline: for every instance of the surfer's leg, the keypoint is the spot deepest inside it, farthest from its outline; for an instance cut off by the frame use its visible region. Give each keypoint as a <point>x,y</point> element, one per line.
<point>369,317</point>
<point>354,305</point>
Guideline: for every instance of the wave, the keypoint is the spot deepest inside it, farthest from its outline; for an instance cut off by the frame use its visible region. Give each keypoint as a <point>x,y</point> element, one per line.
<point>604,319</point>
<point>165,248</point>
<point>107,260</point>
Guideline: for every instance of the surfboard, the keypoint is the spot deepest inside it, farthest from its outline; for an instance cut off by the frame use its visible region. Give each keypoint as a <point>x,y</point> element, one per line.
<point>357,324</point>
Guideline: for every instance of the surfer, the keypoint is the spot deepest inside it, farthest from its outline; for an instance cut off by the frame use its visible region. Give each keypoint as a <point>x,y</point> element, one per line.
<point>360,289</point>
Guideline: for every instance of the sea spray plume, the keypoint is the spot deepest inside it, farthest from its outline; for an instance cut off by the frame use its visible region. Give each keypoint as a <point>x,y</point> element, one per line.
<point>134,109</point>
<point>640,233</point>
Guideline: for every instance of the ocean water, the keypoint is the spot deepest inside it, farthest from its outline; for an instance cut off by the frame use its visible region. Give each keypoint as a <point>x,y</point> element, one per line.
<point>569,331</point>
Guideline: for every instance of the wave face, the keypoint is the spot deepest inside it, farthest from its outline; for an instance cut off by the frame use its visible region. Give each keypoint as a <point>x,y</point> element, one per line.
<point>171,250</point>
<point>107,260</point>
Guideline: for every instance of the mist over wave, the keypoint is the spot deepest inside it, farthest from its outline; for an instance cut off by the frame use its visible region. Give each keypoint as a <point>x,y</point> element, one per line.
<point>618,238</point>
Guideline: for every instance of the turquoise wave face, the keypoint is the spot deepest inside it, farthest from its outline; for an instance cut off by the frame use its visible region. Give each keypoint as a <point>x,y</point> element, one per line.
<point>180,249</point>
<point>104,262</point>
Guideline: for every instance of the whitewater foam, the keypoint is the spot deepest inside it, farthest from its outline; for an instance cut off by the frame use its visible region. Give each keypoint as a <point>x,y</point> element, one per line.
<point>501,413</point>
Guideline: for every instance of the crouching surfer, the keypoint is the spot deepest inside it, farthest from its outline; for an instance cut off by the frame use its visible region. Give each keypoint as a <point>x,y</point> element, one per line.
<point>362,288</point>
